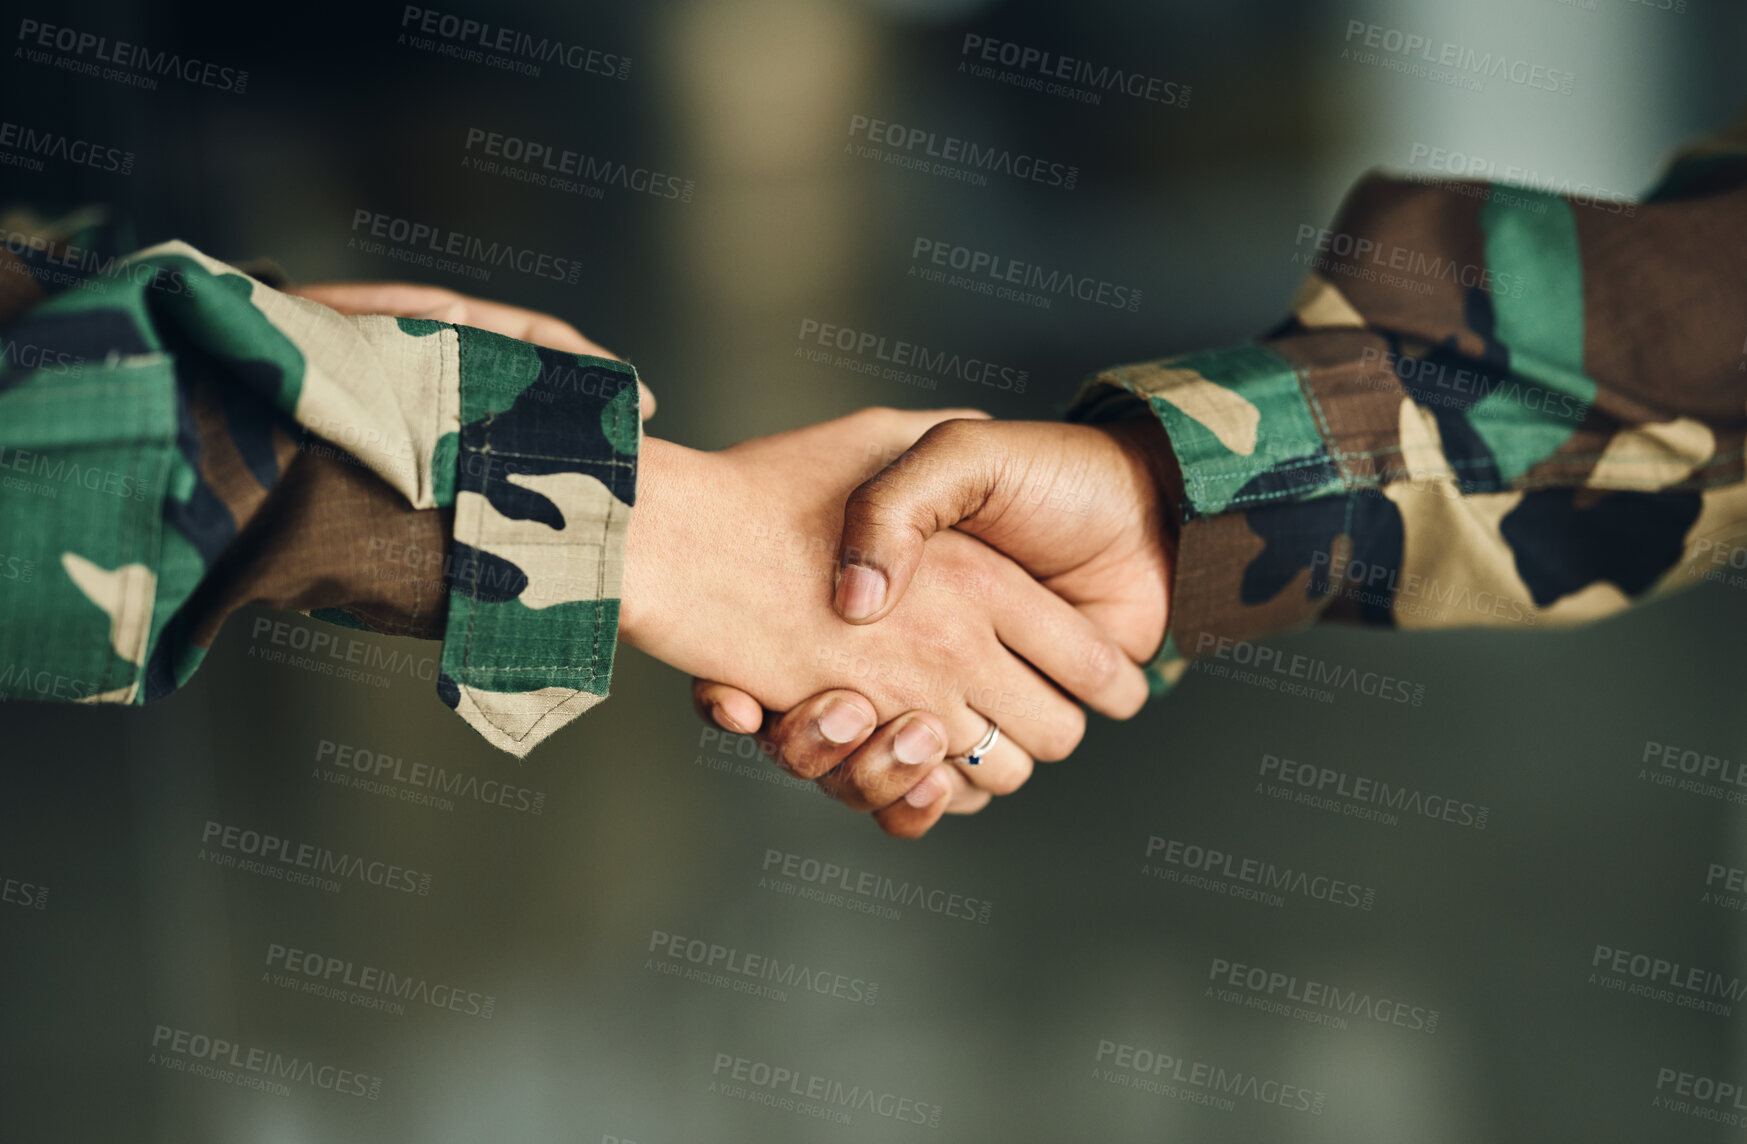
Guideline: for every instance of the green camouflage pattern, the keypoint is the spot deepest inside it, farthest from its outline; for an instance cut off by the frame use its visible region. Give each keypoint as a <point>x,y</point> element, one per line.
<point>151,404</point>
<point>1512,410</point>
<point>1489,407</point>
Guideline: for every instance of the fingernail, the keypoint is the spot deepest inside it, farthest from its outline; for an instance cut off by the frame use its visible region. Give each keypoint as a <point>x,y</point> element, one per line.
<point>924,793</point>
<point>916,743</point>
<point>724,720</point>
<point>843,722</point>
<point>861,592</point>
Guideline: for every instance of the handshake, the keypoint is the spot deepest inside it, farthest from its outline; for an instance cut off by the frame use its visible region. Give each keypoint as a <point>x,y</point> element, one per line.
<point>920,600</point>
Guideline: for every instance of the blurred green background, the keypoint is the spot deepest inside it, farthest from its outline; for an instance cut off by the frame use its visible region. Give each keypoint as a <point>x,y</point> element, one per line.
<point>1035,1019</point>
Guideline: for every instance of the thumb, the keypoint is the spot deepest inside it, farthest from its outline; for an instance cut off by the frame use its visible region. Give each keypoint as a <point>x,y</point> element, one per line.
<point>943,478</point>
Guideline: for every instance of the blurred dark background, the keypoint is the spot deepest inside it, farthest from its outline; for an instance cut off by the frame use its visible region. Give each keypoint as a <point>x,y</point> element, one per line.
<point>1011,1028</point>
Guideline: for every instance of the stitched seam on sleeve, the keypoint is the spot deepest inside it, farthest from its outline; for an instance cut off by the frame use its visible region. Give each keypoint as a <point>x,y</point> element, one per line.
<point>473,612</point>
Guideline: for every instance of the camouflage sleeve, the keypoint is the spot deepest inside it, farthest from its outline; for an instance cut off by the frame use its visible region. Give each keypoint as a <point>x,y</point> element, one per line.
<point>178,439</point>
<point>1489,407</point>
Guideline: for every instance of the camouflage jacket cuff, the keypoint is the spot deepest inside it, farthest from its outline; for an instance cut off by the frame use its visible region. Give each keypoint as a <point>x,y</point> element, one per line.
<point>1260,481</point>
<point>254,447</point>
<point>1240,423</point>
<point>544,475</point>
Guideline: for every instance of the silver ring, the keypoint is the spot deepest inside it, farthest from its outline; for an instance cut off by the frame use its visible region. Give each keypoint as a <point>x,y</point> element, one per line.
<point>984,745</point>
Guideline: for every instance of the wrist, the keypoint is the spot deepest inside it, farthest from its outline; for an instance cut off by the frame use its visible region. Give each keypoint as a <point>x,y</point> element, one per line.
<point>1146,443</point>
<point>662,487</point>
<point>1144,440</point>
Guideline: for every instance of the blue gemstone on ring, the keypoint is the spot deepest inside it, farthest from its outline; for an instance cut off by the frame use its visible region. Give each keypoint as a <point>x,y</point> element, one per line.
<point>983,746</point>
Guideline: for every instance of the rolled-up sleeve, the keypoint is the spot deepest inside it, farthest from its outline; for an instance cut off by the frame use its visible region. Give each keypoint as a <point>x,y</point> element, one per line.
<point>1490,407</point>
<point>180,439</point>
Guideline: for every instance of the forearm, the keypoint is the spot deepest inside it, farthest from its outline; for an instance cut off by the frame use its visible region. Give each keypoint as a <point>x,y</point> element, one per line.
<point>677,493</point>
<point>702,593</point>
<point>1508,413</point>
<point>426,478</point>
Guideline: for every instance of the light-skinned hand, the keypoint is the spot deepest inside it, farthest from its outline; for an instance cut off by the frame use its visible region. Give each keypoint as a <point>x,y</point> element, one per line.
<point>729,574</point>
<point>1082,508</point>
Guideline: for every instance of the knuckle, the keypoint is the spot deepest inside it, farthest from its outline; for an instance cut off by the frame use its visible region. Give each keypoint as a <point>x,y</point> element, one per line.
<point>908,693</point>
<point>867,504</point>
<point>1060,734</point>
<point>948,644</point>
<point>798,760</point>
<point>878,421</point>
<point>952,431</point>
<point>1100,665</point>
<point>872,786</point>
<point>944,439</point>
